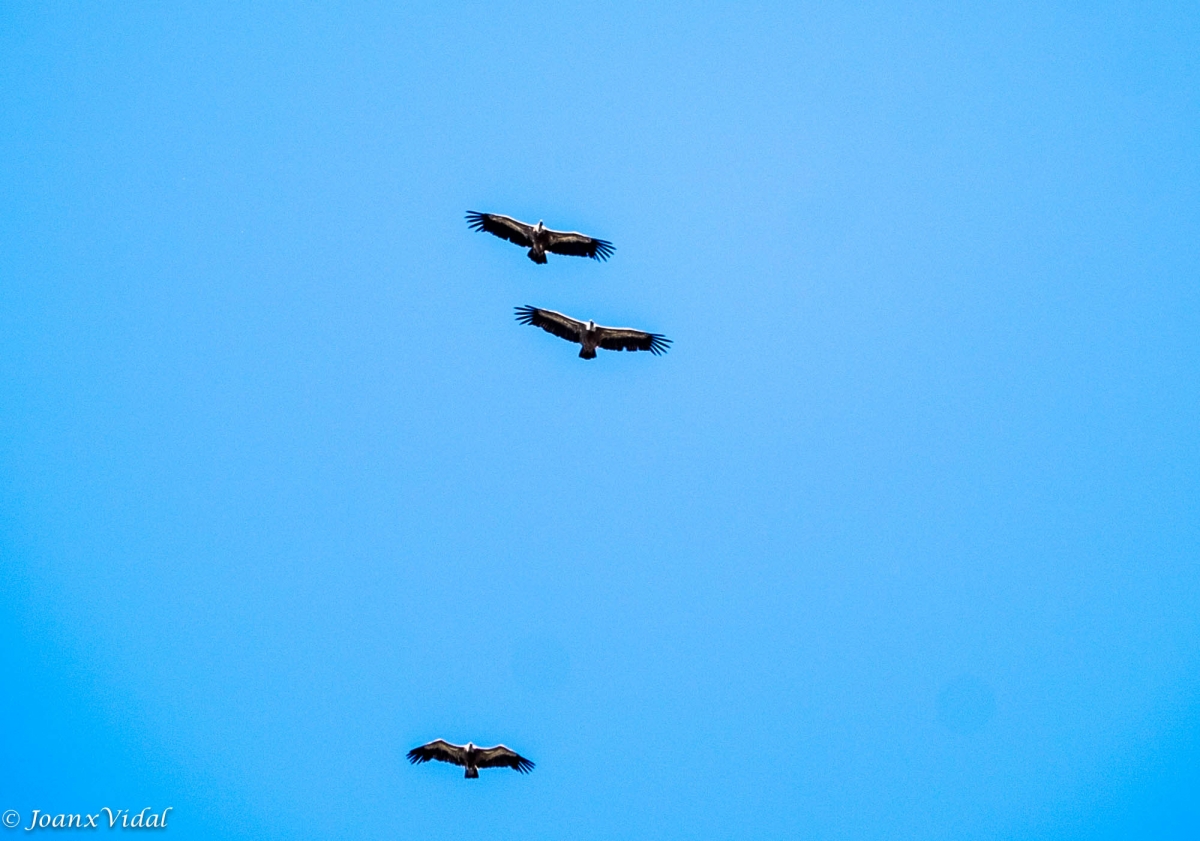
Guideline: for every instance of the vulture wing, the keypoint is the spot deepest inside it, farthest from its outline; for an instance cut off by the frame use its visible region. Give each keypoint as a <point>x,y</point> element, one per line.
<point>502,757</point>
<point>579,245</point>
<point>625,338</point>
<point>560,325</point>
<point>504,227</point>
<point>440,750</point>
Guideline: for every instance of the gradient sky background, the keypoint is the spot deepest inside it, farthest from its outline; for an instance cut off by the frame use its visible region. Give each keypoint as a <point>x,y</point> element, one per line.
<point>900,540</point>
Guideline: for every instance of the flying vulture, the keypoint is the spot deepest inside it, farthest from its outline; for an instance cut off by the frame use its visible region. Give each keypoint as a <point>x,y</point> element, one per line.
<point>592,335</point>
<point>470,756</point>
<point>538,238</point>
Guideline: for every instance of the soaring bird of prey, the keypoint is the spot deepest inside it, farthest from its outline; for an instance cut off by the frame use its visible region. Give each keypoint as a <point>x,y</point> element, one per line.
<point>592,335</point>
<point>538,238</point>
<point>471,757</point>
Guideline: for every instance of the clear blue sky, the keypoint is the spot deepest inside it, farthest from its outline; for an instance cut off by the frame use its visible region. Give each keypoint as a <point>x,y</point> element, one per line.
<point>900,540</point>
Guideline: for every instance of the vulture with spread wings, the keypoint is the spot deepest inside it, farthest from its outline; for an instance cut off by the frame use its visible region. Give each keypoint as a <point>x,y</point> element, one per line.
<point>538,238</point>
<point>471,757</point>
<point>592,335</point>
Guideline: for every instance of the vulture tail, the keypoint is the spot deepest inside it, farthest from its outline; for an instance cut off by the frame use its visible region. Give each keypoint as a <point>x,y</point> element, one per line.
<point>472,774</point>
<point>587,353</point>
<point>538,257</point>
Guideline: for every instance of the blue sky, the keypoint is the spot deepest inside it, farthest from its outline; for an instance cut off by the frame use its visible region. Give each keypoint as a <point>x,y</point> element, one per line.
<point>898,541</point>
